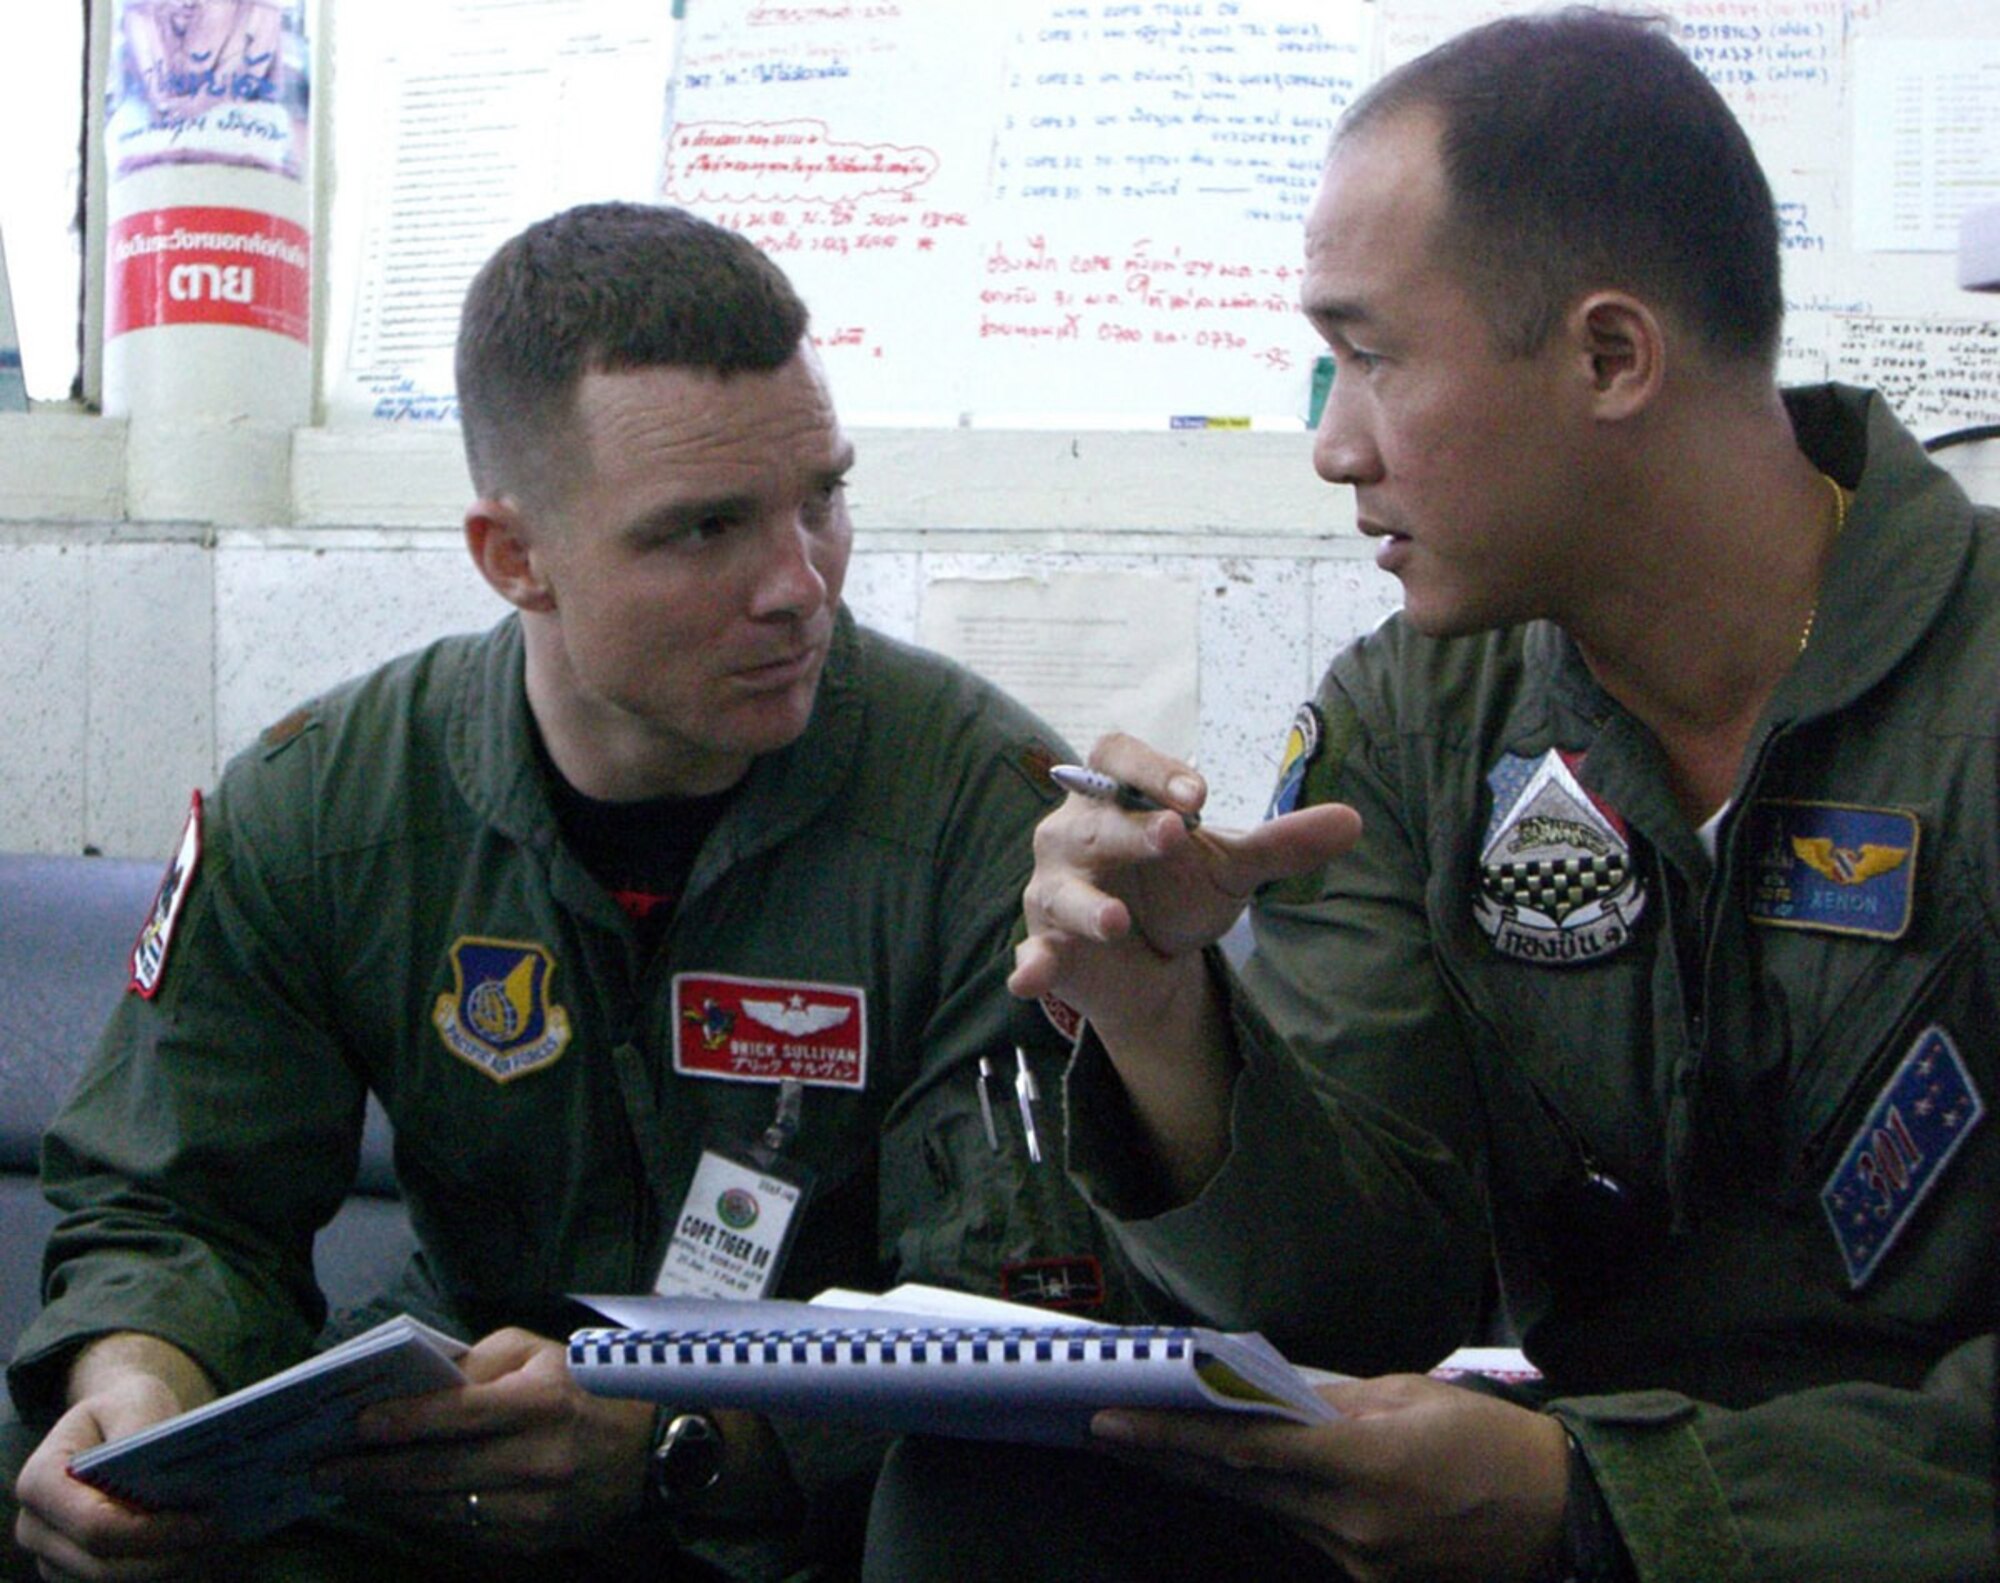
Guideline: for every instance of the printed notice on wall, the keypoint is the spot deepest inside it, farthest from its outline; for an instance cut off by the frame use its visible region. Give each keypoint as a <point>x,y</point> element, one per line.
<point>1088,652</point>
<point>193,82</point>
<point>476,118</point>
<point>1925,145</point>
<point>1938,374</point>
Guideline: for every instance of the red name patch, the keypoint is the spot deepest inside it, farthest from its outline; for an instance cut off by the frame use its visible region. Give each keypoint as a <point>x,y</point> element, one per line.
<point>209,266</point>
<point>762,1030</point>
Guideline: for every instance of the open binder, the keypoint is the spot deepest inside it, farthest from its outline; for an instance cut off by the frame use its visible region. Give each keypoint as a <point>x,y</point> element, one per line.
<point>1028,1376</point>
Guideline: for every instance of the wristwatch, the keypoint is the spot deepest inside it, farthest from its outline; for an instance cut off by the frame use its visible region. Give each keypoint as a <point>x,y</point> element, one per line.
<point>686,1458</point>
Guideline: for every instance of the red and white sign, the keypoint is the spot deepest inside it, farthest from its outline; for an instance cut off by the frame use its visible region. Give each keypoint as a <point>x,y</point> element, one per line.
<point>201,265</point>
<point>765,1030</point>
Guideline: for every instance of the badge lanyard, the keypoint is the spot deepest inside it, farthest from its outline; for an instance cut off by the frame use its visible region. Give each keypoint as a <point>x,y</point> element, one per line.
<point>736,1225</point>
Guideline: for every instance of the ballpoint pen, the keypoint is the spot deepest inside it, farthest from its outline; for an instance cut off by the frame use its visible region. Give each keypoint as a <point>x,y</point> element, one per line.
<point>986,1103</point>
<point>1106,788</point>
<point>1026,1091</point>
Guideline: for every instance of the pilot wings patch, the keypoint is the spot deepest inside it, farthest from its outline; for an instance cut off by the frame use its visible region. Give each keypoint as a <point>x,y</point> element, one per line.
<point>1832,867</point>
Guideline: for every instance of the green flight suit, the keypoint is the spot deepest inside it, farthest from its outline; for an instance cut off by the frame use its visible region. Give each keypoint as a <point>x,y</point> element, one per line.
<point>346,863</point>
<point>1670,1103</point>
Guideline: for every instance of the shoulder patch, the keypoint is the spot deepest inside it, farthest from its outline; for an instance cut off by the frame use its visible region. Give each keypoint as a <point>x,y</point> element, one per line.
<point>1301,751</point>
<point>281,734</point>
<point>1034,760</point>
<point>149,953</point>
<point>1317,743</point>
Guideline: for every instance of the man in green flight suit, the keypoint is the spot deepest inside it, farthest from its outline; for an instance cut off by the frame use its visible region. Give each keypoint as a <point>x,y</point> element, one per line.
<point>1663,959</point>
<point>677,889</point>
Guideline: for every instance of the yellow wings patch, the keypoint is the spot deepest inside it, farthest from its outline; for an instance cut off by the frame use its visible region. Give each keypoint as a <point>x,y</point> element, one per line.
<point>1848,865</point>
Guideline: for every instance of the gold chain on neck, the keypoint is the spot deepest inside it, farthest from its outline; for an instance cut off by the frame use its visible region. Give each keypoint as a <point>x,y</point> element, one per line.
<point>1839,522</point>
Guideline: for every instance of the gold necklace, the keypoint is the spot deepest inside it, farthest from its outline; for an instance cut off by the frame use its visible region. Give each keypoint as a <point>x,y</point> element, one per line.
<point>1839,522</point>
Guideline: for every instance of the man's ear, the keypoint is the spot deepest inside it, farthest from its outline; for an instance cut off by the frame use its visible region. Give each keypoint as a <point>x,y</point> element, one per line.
<point>498,537</point>
<point>1621,348</point>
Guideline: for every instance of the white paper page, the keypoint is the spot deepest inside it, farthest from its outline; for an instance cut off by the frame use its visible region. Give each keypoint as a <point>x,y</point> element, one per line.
<point>1089,652</point>
<point>461,123</point>
<point>1924,116</point>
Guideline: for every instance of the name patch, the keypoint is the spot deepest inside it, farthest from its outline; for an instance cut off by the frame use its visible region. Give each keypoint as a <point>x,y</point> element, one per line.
<point>1918,1122</point>
<point>1556,882</point>
<point>1831,867</point>
<point>761,1030</point>
<point>499,1016</point>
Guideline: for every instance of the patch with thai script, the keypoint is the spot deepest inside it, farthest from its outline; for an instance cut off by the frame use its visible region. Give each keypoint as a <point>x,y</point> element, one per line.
<point>1918,1122</point>
<point>764,1030</point>
<point>499,1016</point>
<point>208,265</point>
<point>1301,748</point>
<point>1069,1284</point>
<point>1832,867</point>
<point>1557,885</point>
<point>149,952</point>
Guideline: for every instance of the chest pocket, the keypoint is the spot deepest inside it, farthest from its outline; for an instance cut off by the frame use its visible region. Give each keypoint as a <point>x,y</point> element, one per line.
<point>1895,1154</point>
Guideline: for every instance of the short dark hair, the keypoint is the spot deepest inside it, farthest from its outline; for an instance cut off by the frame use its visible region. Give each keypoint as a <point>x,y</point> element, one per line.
<point>605,288</point>
<point>1583,149</point>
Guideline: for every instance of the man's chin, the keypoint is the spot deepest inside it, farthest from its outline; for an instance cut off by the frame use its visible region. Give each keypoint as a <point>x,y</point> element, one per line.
<point>766,723</point>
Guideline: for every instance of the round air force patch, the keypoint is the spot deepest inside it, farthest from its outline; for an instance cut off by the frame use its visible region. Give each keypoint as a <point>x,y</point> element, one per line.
<point>1556,883</point>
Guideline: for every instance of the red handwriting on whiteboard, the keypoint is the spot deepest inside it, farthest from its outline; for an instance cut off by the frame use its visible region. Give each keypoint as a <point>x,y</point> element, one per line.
<point>713,162</point>
<point>1145,294</point>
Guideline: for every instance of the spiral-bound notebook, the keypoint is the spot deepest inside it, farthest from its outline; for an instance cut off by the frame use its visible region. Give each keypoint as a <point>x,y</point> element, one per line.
<point>1030,1376</point>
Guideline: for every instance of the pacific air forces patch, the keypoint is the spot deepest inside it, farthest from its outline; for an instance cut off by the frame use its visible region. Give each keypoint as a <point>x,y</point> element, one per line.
<point>499,1016</point>
<point>1556,881</point>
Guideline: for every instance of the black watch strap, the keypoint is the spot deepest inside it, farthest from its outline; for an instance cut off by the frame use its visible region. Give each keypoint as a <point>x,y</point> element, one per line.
<point>685,1461</point>
<point>1592,1550</point>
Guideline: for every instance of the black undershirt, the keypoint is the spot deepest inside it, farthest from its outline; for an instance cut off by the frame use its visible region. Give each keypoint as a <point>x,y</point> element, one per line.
<point>641,852</point>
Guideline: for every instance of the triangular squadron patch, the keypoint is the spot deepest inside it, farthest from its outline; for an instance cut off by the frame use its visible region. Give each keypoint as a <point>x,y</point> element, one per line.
<point>1556,882</point>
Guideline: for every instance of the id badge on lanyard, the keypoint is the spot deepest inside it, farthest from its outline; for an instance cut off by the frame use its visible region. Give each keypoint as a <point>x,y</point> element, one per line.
<point>737,1222</point>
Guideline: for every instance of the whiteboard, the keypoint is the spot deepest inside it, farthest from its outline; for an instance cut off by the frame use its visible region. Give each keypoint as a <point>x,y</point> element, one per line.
<point>1027,214</point>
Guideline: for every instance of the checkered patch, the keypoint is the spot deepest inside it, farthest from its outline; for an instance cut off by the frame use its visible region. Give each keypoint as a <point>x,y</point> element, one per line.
<point>1556,887</point>
<point>1556,883</point>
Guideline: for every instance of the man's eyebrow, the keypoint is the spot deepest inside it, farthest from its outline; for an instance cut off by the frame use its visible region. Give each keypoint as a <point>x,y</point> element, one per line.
<point>1335,311</point>
<point>675,515</point>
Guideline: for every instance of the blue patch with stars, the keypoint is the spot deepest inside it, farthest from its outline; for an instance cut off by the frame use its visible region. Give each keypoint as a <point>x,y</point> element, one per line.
<point>1917,1123</point>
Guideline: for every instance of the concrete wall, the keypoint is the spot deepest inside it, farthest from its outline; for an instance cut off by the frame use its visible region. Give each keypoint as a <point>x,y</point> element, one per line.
<point>138,651</point>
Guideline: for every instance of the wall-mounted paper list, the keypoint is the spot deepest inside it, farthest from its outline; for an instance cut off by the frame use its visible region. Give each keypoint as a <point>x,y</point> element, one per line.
<point>1089,653</point>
